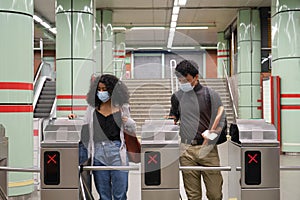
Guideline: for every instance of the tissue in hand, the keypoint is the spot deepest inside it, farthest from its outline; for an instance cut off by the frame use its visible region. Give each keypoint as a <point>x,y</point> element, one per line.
<point>209,135</point>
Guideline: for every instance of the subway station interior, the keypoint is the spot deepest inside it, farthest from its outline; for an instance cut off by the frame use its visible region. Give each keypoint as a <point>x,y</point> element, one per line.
<point>248,51</point>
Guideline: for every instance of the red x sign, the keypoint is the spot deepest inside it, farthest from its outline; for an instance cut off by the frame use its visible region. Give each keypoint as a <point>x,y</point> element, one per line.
<point>252,158</point>
<point>51,159</point>
<point>152,159</point>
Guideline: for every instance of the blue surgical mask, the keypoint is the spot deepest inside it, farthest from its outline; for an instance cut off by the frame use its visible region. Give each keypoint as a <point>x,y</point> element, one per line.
<point>103,96</point>
<point>186,87</point>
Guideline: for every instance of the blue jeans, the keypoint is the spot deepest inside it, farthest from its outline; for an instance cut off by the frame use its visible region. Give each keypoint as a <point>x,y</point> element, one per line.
<point>110,183</point>
<point>83,153</point>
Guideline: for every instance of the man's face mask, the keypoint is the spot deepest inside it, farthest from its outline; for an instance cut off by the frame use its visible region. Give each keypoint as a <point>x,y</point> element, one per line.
<point>186,87</point>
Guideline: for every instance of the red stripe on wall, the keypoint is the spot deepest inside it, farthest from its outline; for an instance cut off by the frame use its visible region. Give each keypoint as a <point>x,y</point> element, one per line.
<point>259,100</point>
<point>15,86</point>
<point>223,56</point>
<point>70,108</point>
<point>290,107</point>
<point>70,97</point>
<point>259,108</point>
<point>290,95</point>
<point>119,50</point>
<point>16,108</point>
<point>223,50</point>
<point>119,56</point>
<point>35,132</point>
<point>278,109</point>
<point>272,99</point>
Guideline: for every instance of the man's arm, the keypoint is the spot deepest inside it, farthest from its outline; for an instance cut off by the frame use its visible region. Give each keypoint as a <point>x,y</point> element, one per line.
<point>174,110</point>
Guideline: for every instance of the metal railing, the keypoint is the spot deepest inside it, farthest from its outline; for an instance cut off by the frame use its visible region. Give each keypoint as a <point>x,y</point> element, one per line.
<point>137,167</point>
<point>2,194</point>
<point>86,194</point>
<point>230,89</point>
<point>172,70</point>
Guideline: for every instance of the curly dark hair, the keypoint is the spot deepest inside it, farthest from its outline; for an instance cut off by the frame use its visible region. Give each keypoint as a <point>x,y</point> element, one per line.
<point>116,89</point>
<point>186,67</point>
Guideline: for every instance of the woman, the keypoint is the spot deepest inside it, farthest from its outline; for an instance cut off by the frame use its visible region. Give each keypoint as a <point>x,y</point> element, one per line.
<point>107,116</point>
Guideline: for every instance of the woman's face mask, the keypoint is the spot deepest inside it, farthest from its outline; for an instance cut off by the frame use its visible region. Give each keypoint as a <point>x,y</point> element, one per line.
<point>103,96</point>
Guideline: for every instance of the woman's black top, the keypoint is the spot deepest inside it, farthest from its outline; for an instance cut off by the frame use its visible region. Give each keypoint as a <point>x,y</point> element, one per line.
<point>107,127</point>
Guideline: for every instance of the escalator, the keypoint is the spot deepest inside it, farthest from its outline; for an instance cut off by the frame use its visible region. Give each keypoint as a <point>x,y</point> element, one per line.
<point>46,100</point>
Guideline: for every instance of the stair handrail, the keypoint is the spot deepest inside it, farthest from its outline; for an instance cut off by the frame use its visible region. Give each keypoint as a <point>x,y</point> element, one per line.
<point>53,109</point>
<point>172,68</point>
<point>230,89</point>
<point>123,70</point>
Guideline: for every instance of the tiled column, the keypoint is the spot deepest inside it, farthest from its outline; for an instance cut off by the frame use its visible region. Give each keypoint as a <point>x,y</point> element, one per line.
<point>104,42</point>
<point>286,64</point>
<point>74,54</point>
<point>223,55</point>
<point>119,54</point>
<point>16,90</point>
<point>249,66</point>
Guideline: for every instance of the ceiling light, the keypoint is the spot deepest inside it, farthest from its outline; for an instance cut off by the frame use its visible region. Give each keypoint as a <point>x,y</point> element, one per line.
<point>192,27</point>
<point>175,10</point>
<point>173,24</point>
<point>175,3</point>
<point>148,28</point>
<point>174,18</point>
<point>172,29</point>
<point>182,2</point>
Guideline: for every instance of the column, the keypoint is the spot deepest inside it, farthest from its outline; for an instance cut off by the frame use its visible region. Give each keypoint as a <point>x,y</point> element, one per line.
<point>222,55</point>
<point>119,54</point>
<point>74,54</point>
<point>249,66</point>
<point>104,42</point>
<point>16,90</point>
<point>286,64</point>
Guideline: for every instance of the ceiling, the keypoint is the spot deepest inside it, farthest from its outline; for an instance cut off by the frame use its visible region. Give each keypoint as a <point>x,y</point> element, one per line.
<point>217,14</point>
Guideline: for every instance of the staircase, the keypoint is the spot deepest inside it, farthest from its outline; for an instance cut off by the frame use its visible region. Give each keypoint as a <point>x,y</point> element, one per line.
<point>46,100</point>
<point>151,99</point>
<point>219,85</point>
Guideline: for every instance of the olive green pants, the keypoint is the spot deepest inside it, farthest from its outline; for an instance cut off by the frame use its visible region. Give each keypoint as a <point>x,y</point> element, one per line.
<point>201,155</point>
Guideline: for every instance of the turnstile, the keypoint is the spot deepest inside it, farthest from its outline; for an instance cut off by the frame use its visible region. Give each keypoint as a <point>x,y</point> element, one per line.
<point>3,160</point>
<point>160,160</point>
<point>254,157</point>
<point>60,178</point>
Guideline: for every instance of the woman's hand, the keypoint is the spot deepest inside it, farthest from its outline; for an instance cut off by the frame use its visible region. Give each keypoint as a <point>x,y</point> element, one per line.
<point>72,116</point>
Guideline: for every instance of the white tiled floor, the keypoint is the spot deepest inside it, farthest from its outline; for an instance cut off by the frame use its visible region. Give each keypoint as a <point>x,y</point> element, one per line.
<point>289,180</point>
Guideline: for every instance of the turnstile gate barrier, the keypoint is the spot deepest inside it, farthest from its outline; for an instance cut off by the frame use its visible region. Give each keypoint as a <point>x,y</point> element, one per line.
<point>3,160</point>
<point>160,160</point>
<point>60,160</point>
<point>254,152</point>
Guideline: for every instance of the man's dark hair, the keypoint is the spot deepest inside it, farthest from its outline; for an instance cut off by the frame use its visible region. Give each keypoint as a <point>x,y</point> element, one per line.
<point>117,90</point>
<point>186,67</point>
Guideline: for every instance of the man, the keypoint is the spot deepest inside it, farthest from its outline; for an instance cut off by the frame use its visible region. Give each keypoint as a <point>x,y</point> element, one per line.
<point>201,115</point>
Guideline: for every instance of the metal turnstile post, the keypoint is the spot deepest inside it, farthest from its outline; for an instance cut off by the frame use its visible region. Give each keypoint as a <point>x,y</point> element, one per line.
<point>3,160</point>
<point>254,153</point>
<point>60,178</point>
<point>160,161</point>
